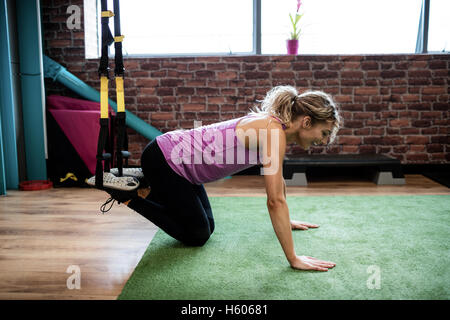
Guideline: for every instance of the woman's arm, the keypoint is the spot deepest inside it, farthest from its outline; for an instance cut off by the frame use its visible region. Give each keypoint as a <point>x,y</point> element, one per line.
<point>274,148</point>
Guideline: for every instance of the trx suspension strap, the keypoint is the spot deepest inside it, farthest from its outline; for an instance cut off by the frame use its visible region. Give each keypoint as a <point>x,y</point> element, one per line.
<point>103,72</point>
<point>122,140</point>
<point>103,143</point>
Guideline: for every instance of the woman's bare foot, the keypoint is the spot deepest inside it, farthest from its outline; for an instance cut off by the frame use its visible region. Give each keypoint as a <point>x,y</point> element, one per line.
<point>143,193</point>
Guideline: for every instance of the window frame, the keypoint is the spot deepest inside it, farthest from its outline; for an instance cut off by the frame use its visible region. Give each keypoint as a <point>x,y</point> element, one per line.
<point>422,33</point>
<point>421,42</point>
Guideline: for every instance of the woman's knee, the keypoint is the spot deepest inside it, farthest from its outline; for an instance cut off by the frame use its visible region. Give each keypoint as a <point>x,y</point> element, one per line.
<point>211,225</point>
<point>197,239</point>
<point>195,242</point>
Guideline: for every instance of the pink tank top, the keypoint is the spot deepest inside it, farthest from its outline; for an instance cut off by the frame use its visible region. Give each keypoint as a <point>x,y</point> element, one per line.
<point>207,153</point>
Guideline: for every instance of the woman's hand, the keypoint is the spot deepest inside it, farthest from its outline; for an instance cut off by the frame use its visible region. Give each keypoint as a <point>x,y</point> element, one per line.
<point>310,263</point>
<point>298,225</point>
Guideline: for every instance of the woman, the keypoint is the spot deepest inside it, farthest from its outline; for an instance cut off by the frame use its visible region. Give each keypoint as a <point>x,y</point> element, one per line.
<point>176,165</point>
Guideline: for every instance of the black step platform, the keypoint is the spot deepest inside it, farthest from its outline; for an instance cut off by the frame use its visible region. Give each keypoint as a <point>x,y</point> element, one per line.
<point>388,171</point>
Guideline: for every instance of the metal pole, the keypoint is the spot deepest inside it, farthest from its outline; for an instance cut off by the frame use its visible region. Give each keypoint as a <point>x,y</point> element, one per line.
<point>257,26</point>
<point>425,26</point>
<point>422,34</point>
<point>9,170</point>
<point>32,82</point>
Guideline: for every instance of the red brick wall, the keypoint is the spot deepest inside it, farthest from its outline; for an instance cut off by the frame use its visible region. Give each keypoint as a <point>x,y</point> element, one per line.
<point>391,104</point>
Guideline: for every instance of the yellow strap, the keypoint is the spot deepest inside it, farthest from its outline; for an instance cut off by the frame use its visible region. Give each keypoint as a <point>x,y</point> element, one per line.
<point>119,38</point>
<point>120,95</point>
<point>104,97</point>
<point>69,175</point>
<point>107,14</point>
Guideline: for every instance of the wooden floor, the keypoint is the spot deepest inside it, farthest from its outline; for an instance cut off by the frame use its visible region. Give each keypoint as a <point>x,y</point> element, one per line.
<point>43,233</point>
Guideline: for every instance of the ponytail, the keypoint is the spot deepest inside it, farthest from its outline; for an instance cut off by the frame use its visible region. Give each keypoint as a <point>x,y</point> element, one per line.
<point>279,103</point>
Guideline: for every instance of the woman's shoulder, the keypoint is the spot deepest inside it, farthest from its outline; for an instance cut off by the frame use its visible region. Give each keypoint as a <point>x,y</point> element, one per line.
<point>259,121</point>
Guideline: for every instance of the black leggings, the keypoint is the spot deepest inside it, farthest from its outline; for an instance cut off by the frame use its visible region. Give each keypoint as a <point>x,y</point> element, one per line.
<point>178,207</point>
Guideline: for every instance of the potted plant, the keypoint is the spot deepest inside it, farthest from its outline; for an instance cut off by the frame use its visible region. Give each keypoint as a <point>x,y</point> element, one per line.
<point>292,42</point>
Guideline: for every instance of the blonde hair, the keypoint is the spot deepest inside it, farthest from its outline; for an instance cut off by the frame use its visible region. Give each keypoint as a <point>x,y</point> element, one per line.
<point>285,103</point>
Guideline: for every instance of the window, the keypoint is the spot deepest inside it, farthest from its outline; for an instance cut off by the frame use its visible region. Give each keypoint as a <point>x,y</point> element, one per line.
<point>439,28</point>
<point>155,27</point>
<point>209,27</point>
<point>343,27</point>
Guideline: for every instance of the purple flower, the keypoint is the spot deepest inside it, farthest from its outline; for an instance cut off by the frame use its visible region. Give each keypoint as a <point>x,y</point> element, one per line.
<point>299,3</point>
